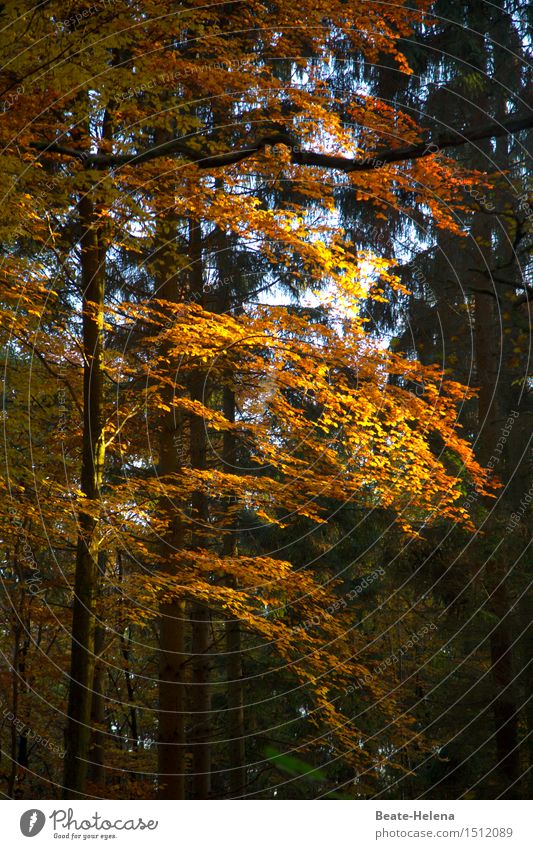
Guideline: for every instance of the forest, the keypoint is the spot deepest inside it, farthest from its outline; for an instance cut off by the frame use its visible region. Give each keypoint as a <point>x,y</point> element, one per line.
<point>266,301</point>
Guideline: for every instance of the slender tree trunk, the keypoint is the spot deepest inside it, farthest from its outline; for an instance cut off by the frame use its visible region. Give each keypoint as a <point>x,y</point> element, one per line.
<point>526,674</point>
<point>494,406</point>
<point>201,731</point>
<point>201,702</point>
<point>172,706</point>
<point>78,729</point>
<point>234,671</point>
<point>236,776</point>
<point>505,707</point>
<point>134,730</point>
<point>14,710</point>
<point>172,632</point>
<point>491,413</point>
<point>96,770</point>
<point>97,773</point>
<point>173,614</point>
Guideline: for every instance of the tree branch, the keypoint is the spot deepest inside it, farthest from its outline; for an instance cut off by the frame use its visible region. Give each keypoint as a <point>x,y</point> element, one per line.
<point>376,159</point>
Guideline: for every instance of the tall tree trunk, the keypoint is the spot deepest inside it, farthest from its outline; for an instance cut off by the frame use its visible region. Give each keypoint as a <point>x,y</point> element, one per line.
<point>492,412</point>
<point>201,702</point>
<point>234,671</point>
<point>173,613</point>
<point>96,770</point>
<point>236,752</point>
<point>526,664</point>
<point>14,710</point>
<point>78,729</point>
<point>505,708</point>
<point>172,705</point>
<point>200,615</point>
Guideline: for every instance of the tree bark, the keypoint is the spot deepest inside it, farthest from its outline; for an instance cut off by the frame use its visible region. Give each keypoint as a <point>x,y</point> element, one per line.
<point>505,709</point>
<point>490,415</point>
<point>493,410</point>
<point>375,159</point>
<point>172,706</point>
<point>234,670</point>
<point>96,770</point>
<point>78,729</point>
<point>172,622</point>
<point>201,731</point>
<point>201,702</point>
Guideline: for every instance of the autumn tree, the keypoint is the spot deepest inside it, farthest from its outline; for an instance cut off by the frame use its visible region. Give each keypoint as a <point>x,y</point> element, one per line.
<point>121,177</point>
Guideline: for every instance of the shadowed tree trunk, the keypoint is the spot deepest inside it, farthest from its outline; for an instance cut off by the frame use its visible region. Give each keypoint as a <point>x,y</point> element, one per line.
<point>234,670</point>
<point>490,415</point>
<point>173,613</point>
<point>201,731</point>
<point>492,411</point>
<point>505,708</point>
<point>96,772</point>
<point>96,769</point>
<point>78,728</point>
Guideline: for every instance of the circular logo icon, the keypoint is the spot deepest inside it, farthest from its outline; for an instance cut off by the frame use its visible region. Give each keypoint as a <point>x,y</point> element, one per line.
<point>32,822</point>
